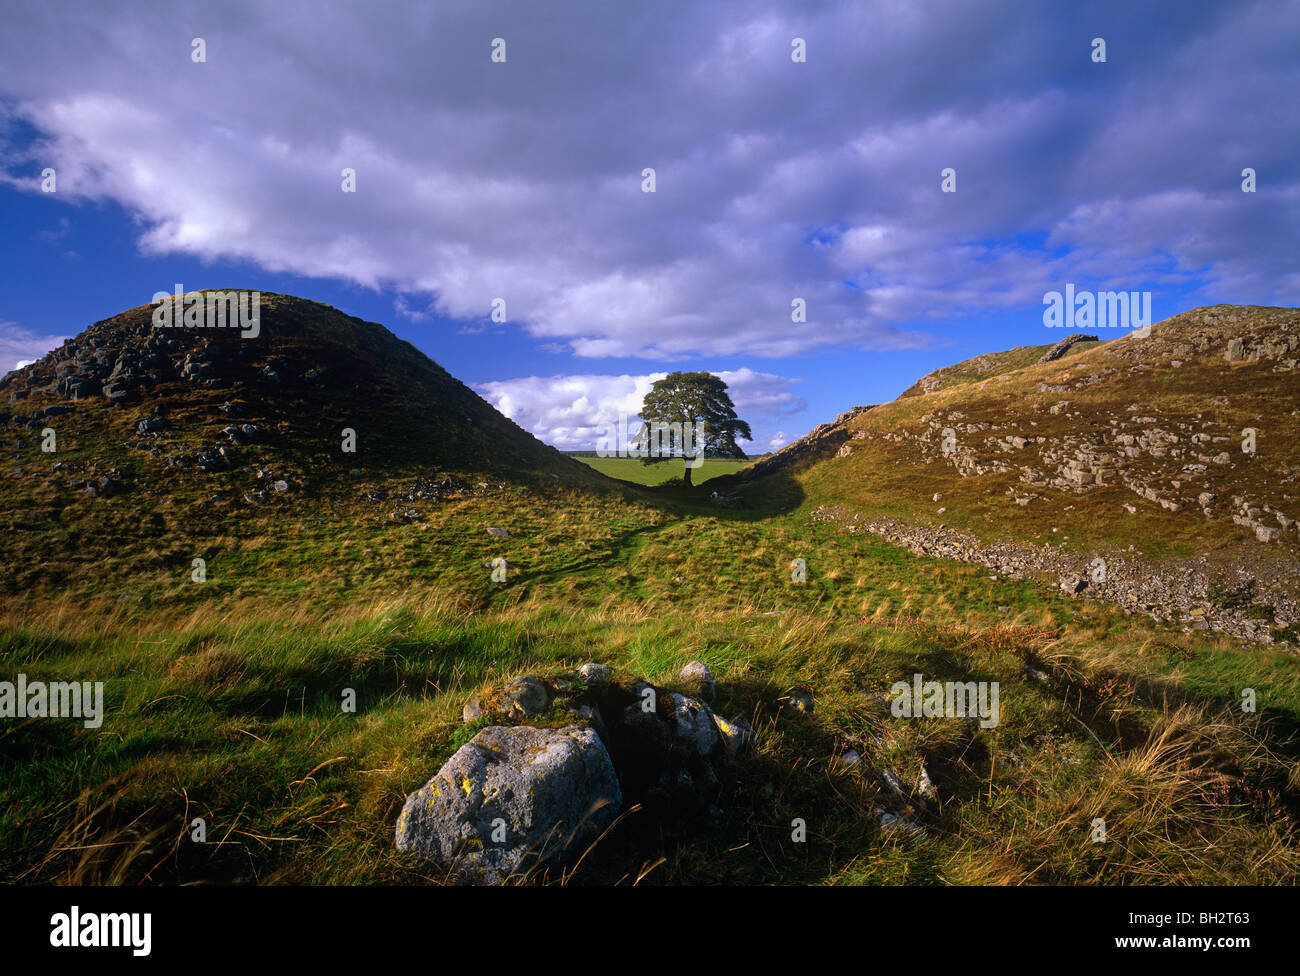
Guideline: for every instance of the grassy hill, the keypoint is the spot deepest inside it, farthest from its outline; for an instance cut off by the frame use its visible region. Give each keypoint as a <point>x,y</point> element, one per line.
<point>989,365</point>
<point>224,695</point>
<point>165,437</point>
<point>1126,450</point>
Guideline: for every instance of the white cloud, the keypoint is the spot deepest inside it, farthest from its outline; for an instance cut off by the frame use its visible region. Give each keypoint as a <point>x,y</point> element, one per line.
<point>572,412</point>
<point>776,180</point>
<point>22,346</point>
<point>404,310</point>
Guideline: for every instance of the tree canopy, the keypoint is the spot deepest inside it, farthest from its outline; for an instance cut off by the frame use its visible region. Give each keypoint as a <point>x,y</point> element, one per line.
<point>700,400</point>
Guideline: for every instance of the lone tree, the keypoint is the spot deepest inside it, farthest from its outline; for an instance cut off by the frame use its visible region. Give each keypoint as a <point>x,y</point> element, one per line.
<point>697,399</point>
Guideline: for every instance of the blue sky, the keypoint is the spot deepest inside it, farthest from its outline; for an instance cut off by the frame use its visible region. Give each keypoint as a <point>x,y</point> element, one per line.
<point>775,180</point>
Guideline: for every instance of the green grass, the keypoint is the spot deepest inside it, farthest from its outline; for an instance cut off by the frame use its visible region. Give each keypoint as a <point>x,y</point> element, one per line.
<point>224,697</point>
<point>224,703</point>
<point>641,473</point>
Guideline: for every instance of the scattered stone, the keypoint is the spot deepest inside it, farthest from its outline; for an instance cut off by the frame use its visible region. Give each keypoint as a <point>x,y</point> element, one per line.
<point>596,674</point>
<point>1072,585</point>
<point>563,682</point>
<point>636,714</point>
<point>473,711</point>
<point>499,533</point>
<point>529,695</point>
<point>737,734</point>
<point>925,786</point>
<point>890,823</point>
<point>512,798</point>
<point>694,724</point>
<point>698,675</point>
<point>522,697</point>
<point>895,785</point>
<point>798,700</point>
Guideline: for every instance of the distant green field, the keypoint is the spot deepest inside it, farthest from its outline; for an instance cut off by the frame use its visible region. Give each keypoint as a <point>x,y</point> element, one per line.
<point>635,470</point>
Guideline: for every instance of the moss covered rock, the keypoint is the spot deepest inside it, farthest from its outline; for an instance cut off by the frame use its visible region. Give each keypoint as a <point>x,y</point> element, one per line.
<point>512,798</point>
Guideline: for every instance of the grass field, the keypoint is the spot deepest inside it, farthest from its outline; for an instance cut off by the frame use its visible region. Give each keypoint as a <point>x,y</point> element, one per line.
<point>224,704</point>
<point>638,472</point>
<point>371,577</point>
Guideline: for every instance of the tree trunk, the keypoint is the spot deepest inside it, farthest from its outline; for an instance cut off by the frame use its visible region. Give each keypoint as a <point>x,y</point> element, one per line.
<point>688,472</point>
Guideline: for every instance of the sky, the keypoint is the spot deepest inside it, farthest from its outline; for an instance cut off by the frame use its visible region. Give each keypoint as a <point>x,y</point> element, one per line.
<point>798,149</point>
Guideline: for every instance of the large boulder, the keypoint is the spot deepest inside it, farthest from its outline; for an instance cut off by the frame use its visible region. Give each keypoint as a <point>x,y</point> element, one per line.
<point>510,798</point>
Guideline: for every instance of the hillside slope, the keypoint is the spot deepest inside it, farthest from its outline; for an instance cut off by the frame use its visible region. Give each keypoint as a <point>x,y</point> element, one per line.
<point>991,364</point>
<point>129,436</point>
<point>1136,451</point>
<point>310,372</point>
<point>321,670</point>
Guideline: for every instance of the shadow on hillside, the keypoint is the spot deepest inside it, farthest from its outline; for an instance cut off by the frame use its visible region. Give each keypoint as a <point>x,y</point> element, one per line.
<point>728,821</point>
<point>756,500</point>
<point>1090,702</point>
<point>730,496</point>
<point>616,555</point>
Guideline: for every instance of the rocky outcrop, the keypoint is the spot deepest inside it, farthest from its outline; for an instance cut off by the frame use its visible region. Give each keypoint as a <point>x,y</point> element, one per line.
<point>1174,463</point>
<point>1064,346</point>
